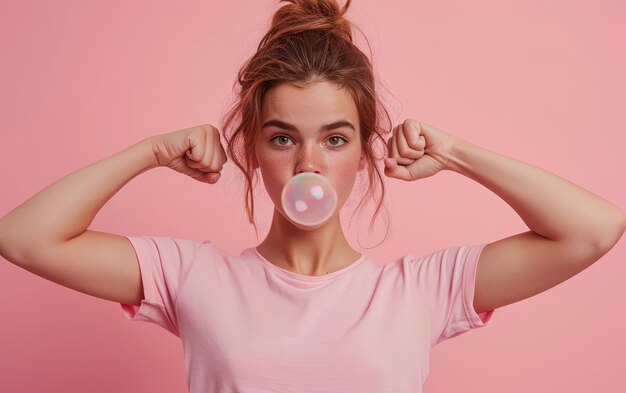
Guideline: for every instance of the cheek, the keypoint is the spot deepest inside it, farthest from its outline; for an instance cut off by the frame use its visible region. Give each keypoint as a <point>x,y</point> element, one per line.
<point>343,180</point>
<point>274,176</point>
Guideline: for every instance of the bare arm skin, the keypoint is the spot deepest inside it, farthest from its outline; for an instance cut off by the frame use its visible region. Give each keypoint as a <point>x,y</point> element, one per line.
<point>570,227</point>
<point>47,234</point>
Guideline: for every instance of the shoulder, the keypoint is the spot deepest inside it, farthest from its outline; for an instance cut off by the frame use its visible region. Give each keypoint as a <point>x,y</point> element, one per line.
<point>441,261</point>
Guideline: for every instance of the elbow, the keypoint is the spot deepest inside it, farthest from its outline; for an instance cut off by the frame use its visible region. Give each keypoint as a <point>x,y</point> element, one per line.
<point>614,231</point>
<point>9,248</point>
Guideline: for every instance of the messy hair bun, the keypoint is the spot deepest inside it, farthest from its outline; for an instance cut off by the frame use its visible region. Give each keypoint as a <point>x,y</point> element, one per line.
<point>303,15</point>
<point>308,41</point>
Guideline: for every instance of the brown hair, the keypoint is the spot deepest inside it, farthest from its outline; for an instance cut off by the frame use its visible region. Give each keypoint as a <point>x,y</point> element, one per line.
<point>308,41</point>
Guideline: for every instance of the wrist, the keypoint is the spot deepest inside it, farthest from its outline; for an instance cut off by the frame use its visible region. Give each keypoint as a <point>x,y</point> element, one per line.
<point>145,147</point>
<point>453,158</point>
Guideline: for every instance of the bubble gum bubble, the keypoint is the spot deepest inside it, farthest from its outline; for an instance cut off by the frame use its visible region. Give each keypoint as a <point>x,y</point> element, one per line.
<point>309,199</point>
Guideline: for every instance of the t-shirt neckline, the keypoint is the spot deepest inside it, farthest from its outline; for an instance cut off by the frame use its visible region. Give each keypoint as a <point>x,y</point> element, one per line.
<point>304,277</point>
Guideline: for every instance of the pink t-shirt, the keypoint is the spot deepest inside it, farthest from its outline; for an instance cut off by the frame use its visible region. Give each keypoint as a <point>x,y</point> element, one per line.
<point>247,325</point>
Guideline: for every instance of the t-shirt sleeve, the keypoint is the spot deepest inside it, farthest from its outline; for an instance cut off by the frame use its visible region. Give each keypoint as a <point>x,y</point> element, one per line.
<point>163,262</point>
<point>447,278</point>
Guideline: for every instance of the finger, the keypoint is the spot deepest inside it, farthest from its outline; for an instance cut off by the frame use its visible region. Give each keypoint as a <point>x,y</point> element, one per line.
<point>392,169</point>
<point>191,147</point>
<point>217,161</point>
<point>206,177</point>
<point>212,177</point>
<point>414,137</point>
<point>193,156</point>
<point>395,147</point>
<point>212,170</point>
<point>209,154</point>
<point>403,144</point>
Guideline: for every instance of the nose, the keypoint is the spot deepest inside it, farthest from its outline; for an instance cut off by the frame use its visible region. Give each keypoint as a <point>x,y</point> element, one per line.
<point>309,160</point>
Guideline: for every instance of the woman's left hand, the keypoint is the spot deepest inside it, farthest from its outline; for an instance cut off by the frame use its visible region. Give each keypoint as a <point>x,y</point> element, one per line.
<point>417,150</point>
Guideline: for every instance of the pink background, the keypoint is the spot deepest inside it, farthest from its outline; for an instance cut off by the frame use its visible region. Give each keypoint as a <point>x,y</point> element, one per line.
<point>542,82</point>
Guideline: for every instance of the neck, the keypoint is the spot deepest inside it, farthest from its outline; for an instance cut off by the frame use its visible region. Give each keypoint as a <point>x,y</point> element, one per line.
<point>309,252</point>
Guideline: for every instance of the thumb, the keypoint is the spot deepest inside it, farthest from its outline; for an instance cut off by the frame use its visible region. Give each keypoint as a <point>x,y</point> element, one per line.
<point>195,147</point>
<point>391,167</point>
<point>212,177</point>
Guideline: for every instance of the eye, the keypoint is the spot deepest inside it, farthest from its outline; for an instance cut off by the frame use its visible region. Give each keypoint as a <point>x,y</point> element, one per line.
<point>337,138</point>
<point>281,138</point>
<point>334,140</point>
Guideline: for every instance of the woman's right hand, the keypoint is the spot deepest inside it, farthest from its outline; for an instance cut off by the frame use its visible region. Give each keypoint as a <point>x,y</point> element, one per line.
<point>195,151</point>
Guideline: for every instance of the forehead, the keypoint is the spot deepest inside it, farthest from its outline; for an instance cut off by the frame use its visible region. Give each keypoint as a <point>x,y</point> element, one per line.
<point>319,102</point>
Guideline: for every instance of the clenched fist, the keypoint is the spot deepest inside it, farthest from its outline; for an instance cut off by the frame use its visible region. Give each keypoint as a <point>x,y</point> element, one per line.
<point>417,150</point>
<point>196,152</point>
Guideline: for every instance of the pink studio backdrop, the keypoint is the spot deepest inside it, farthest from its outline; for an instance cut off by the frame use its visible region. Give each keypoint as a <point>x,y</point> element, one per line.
<point>542,82</point>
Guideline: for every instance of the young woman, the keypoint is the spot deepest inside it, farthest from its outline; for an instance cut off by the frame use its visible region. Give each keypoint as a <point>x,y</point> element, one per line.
<point>303,311</point>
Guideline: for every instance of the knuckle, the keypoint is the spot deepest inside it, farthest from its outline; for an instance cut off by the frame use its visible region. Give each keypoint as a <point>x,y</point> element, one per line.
<point>413,125</point>
<point>405,151</point>
<point>413,142</point>
<point>195,131</point>
<point>208,161</point>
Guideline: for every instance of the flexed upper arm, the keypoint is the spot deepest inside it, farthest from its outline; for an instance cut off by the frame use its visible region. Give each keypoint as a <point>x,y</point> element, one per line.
<point>100,264</point>
<point>523,265</point>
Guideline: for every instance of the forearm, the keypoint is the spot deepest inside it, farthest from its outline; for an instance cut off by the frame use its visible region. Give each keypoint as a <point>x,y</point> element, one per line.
<point>66,208</point>
<point>550,205</point>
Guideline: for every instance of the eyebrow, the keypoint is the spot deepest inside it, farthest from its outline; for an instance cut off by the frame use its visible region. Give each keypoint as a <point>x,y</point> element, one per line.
<point>325,127</point>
